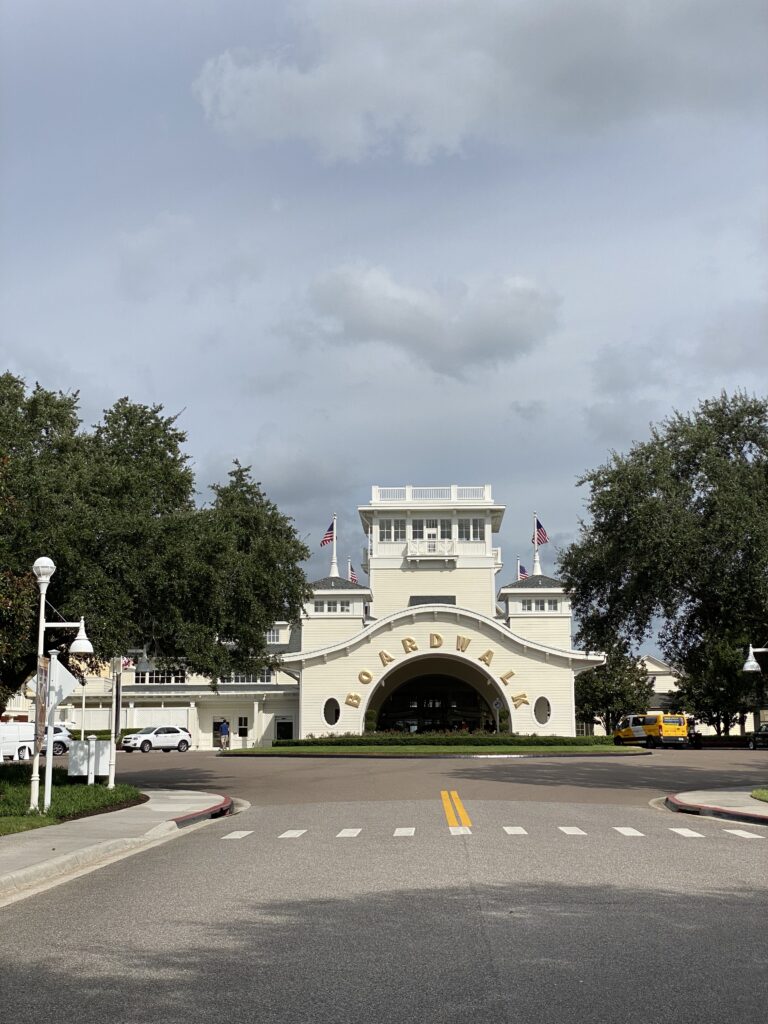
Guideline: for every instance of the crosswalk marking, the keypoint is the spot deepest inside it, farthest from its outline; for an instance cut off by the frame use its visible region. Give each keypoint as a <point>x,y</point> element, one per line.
<point>687,832</point>
<point>460,830</point>
<point>349,833</point>
<point>743,833</point>
<point>404,832</point>
<point>622,830</point>
<point>238,835</point>
<point>292,833</point>
<point>571,830</point>
<point>515,830</point>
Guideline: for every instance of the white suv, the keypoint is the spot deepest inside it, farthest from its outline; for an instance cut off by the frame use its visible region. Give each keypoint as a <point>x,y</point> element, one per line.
<point>158,737</point>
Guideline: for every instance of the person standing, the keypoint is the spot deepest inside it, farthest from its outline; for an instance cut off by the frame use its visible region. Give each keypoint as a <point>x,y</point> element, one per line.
<point>224,734</point>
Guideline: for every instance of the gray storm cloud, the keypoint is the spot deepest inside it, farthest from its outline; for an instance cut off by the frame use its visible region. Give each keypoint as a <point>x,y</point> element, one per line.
<point>420,79</point>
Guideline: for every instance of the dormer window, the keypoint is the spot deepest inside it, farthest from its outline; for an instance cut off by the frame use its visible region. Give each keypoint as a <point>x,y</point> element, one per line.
<point>552,604</point>
<point>471,529</point>
<point>527,604</point>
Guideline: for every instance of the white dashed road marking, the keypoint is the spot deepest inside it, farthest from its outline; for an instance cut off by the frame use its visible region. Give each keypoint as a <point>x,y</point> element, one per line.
<point>515,830</point>
<point>743,833</point>
<point>404,832</point>
<point>292,833</point>
<point>627,831</point>
<point>571,830</point>
<point>687,832</point>
<point>349,833</point>
<point>460,830</point>
<point>238,835</point>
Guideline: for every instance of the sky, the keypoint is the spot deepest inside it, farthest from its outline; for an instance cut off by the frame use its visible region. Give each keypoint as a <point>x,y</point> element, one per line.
<point>423,241</point>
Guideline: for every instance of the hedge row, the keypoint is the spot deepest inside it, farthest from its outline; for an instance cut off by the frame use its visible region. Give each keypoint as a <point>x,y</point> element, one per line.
<point>450,739</point>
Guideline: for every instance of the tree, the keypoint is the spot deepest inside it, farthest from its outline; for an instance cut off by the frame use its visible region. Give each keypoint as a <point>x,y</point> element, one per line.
<point>115,508</point>
<point>613,689</point>
<point>677,539</point>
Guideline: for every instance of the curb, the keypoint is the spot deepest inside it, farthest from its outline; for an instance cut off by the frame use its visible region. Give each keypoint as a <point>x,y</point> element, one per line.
<point>58,869</point>
<point>711,811</point>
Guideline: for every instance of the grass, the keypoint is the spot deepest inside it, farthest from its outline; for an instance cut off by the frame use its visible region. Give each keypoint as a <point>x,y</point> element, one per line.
<point>70,798</point>
<point>760,794</point>
<point>416,750</point>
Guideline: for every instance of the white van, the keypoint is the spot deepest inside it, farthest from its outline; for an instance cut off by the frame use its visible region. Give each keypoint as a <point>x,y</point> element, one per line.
<point>17,740</point>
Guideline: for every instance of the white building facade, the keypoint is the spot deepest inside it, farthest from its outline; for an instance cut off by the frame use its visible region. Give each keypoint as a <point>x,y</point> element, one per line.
<point>435,642</point>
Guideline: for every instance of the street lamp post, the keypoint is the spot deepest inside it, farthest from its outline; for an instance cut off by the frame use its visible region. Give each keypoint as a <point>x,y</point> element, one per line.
<point>753,665</point>
<point>44,569</point>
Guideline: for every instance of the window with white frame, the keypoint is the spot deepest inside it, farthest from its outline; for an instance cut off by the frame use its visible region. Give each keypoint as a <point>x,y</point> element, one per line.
<point>160,677</point>
<point>552,604</point>
<point>445,529</point>
<point>471,529</point>
<point>345,606</point>
<point>332,606</point>
<point>398,529</point>
<point>527,604</point>
<point>540,604</point>
<point>417,529</point>
<point>264,675</point>
<point>385,529</point>
<point>240,677</point>
<point>319,606</point>
<point>273,635</point>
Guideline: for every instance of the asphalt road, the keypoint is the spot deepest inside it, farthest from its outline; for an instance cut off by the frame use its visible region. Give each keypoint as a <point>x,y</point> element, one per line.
<point>413,891</point>
<point>603,780</point>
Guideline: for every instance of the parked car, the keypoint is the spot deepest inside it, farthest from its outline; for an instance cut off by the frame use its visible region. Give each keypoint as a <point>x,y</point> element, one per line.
<point>760,738</point>
<point>62,739</point>
<point>158,737</point>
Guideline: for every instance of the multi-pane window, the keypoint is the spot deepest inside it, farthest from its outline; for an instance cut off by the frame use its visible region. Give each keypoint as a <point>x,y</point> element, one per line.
<point>344,606</point>
<point>527,604</point>
<point>273,635</point>
<point>319,606</point>
<point>242,725</point>
<point>445,529</point>
<point>552,605</point>
<point>398,529</point>
<point>540,604</point>
<point>240,677</point>
<point>471,529</point>
<point>417,529</point>
<point>264,675</point>
<point>160,677</point>
<point>385,529</point>
<point>332,606</point>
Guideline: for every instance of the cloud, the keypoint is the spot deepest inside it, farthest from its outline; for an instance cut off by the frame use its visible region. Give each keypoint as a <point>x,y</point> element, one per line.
<point>481,323</point>
<point>424,78</point>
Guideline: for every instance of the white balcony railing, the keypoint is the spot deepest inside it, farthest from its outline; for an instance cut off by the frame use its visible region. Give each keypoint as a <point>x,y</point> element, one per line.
<point>431,549</point>
<point>418,495</point>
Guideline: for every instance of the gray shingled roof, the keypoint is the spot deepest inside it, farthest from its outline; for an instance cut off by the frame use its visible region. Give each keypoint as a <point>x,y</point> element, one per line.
<point>293,645</point>
<point>534,583</point>
<point>336,583</point>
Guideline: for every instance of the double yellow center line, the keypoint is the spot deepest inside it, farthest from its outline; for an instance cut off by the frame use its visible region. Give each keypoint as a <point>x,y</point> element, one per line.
<point>455,814</point>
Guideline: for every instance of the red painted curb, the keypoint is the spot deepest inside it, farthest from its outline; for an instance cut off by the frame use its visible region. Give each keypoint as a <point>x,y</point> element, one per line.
<point>218,810</point>
<point>712,811</point>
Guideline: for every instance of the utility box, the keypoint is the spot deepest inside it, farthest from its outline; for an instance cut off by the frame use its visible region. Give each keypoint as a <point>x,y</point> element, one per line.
<point>78,758</point>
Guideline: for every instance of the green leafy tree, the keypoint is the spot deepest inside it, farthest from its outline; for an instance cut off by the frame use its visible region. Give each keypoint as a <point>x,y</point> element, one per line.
<point>611,690</point>
<point>677,539</point>
<point>115,508</point>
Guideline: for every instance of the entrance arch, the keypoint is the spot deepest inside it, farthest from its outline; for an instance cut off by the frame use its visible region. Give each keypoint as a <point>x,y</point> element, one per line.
<point>436,693</point>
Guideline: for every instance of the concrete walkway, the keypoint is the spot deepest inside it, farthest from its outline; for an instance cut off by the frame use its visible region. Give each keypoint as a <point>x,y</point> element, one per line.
<point>34,860</point>
<point>731,804</point>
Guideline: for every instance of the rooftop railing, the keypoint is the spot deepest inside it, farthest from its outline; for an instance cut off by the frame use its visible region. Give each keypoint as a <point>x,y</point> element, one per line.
<point>451,494</point>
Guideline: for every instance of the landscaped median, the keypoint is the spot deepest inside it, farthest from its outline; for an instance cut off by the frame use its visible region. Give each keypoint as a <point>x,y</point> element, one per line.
<point>438,745</point>
<point>70,798</point>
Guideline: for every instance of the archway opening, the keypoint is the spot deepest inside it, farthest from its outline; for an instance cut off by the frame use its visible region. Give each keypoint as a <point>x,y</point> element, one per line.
<point>435,703</point>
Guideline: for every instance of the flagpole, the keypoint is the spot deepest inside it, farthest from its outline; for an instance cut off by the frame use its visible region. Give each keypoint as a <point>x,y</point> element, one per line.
<point>536,562</point>
<point>349,568</point>
<point>334,563</point>
<point>518,567</point>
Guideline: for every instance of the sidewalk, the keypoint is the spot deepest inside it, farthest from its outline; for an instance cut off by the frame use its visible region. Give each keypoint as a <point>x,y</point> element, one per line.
<point>731,804</point>
<point>33,859</point>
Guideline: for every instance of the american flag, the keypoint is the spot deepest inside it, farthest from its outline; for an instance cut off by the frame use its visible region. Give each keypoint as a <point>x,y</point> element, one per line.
<point>540,537</point>
<point>328,537</point>
<point>522,573</point>
<point>352,575</point>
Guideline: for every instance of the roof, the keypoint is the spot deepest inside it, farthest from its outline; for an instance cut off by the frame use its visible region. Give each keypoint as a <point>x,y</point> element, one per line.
<point>535,583</point>
<point>293,645</point>
<point>337,583</point>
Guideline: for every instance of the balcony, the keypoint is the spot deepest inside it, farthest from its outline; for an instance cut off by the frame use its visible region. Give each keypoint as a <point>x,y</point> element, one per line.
<point>431,550</point>
<point>452,494</point>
